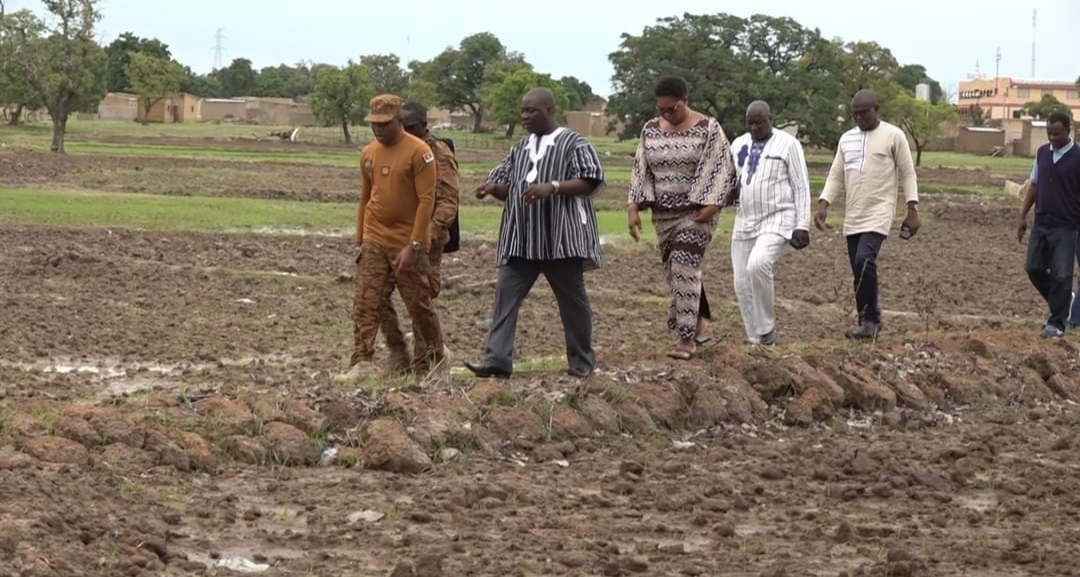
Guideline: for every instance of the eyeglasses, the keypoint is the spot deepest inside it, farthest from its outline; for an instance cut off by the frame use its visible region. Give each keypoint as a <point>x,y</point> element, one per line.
<point>669,109</point>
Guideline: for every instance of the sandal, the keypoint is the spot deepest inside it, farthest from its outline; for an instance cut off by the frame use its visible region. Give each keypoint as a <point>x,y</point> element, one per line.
<point>700,341</point>
<point>680,355</point>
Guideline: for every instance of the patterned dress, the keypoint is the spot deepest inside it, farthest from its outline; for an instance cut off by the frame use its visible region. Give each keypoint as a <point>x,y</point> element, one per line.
<point>675,174</point>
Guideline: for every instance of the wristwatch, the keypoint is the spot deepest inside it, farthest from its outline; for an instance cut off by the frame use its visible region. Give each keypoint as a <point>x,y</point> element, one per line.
<point>555,185</point>
<point>416,245</point>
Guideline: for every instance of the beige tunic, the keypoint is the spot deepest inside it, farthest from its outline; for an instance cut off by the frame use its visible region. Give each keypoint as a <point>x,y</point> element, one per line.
<point>867,169</point>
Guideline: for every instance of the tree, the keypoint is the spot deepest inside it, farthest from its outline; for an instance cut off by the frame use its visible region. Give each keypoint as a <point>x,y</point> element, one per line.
<point>59,60</point>
<point>422,91</point>
<point>238,79</point>
<point>459,74</point>
<point>1046,106</point>
<point>386,73</point>
<point>15,91</point>
<point>730,61</point>
<point>205,85</point>
<point>153,78</point>
<point>978,116</point>
<point>912,75</point>
<point>578,92</point>
<point>284,81</point>
<point>503,99</point>
<point>341,96</point>
<point>119,52</point>
<point>922,121</point>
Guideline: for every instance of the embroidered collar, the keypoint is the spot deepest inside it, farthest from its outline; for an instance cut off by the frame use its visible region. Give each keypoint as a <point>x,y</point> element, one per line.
<point>538,150</point>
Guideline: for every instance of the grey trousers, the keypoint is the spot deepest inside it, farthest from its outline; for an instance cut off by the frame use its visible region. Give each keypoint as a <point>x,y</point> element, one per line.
<point>567,280</point>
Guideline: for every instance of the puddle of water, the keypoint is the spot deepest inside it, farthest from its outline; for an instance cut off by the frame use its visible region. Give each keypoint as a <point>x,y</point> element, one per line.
<point>241,551</point>
<point>122,378</point>
<point>273,230</point>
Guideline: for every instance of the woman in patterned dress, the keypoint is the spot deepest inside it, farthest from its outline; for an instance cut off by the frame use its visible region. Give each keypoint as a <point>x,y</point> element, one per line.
<point>684,173</point>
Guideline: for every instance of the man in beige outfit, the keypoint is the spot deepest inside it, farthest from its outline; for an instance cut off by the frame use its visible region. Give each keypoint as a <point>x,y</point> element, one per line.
<point>871,160</point>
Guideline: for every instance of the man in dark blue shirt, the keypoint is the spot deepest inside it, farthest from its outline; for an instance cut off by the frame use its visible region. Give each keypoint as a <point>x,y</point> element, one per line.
<point>1055,192</point>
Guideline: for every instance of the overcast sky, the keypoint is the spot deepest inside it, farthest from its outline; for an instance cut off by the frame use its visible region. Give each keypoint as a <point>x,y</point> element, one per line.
<point>574,37</point>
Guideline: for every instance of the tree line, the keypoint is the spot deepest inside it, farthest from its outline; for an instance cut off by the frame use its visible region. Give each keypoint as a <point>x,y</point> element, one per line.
<point>53,62</point>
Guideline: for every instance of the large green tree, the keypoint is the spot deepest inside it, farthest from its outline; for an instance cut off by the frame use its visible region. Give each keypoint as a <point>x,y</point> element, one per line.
<point>387,75</point>
<point>16,94</point>
<point>578,92</point>
<point>1046,106</point>
<point>460,74</point>
<point>341,96</point>
<point>284,81</point>
<point>730,61</point>
<point>58,58</point>
<point>912,75</point>
<point>153,79</point>
<point>922,121</point>
<point>119,51</point>
<point>503,98</point>
<point>238,79</point>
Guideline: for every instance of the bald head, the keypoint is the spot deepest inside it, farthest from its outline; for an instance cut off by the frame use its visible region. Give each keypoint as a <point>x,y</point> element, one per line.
<point>758,108</point>
<point>758,123</point>
<point>865,97</point>
<point>540,97</point>
<point>864,108</point>
<point>538,111</point>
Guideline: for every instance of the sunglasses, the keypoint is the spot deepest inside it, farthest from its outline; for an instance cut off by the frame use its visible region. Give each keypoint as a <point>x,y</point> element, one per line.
<point>669,109</point>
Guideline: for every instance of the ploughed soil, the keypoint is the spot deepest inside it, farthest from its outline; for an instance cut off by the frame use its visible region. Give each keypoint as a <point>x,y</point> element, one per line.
<point>168,407</point>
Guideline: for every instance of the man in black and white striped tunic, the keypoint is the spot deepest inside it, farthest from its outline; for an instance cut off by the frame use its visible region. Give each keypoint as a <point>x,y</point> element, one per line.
<point>549,227</point>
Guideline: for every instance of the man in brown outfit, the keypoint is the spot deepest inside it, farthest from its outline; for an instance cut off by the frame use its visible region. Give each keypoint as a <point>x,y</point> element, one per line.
<point>393,235</point>
<point>414,120</point>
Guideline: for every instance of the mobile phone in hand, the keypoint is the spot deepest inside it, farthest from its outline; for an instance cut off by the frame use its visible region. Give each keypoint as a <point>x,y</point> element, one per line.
<point>905,232</point>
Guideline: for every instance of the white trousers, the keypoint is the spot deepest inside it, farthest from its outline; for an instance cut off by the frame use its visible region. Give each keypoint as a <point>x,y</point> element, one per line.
<point>754,262</point>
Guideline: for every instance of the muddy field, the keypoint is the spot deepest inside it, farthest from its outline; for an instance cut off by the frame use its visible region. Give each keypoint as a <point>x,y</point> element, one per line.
<point>167,407</point>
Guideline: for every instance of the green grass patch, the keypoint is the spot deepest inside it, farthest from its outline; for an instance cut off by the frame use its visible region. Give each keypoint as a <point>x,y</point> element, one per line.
<point>954,160</point>
<point>346,158</point>
<point>80,209</point>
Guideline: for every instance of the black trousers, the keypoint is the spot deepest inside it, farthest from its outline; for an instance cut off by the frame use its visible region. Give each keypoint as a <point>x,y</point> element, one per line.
<point>567,280</point>
<point>863,249</point>
<point>1050,258</point>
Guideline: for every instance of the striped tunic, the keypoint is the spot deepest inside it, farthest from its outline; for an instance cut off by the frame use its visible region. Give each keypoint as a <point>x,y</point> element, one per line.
<point>557,227</point>
<point>775,193</point>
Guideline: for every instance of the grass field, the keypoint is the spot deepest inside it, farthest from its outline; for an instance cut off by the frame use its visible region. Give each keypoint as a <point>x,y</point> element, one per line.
<point>67,209</point>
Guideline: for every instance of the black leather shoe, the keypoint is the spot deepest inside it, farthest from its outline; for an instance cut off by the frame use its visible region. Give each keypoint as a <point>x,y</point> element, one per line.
<point>485,372</point>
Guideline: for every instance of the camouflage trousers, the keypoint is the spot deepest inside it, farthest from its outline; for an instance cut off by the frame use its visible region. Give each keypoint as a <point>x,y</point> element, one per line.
<point>391,329</point>
<point>375,282</point>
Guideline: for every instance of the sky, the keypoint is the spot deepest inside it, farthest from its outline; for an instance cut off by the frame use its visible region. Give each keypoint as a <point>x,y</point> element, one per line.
<point>575,37</point>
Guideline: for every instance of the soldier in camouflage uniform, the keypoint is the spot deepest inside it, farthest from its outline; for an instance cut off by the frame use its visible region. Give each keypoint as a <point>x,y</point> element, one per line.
<point>397,200</point>
<point>414,120</point>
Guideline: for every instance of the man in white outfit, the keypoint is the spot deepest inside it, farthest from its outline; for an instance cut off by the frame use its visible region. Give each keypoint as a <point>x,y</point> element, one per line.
<point>773,211</point>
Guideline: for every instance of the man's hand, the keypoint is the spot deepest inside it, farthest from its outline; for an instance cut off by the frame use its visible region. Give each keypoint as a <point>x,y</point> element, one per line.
<point>405,260</point>
<point>538,192</point>
<point>706,214</point>
<point>1021,227</point>
<point>800,239</point>
<point>912,221</point>
<point>358,249</point>
<point>822,215</point>
<point>633,220</point>
<point>484,190</point>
